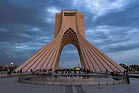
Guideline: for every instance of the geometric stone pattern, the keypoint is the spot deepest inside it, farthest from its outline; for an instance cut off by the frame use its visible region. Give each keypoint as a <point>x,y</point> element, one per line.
<point>70,29</point>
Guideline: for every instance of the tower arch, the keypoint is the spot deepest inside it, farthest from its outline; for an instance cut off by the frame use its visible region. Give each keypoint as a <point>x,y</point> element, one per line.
<point>69,37</point>
<point>70,29</point>
<point>69,57</point>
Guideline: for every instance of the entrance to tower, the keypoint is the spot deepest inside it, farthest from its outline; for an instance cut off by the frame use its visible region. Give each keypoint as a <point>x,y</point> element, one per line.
<point>69,54</point>
<point>69,57</point>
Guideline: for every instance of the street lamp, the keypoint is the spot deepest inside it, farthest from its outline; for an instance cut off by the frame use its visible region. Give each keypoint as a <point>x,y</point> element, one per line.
<point>12,63</point>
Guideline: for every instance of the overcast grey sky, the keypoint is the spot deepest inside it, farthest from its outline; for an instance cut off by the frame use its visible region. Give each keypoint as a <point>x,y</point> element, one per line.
<point>27,25</point>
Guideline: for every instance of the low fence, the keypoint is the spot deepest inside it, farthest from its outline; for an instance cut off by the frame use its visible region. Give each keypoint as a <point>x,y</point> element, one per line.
<point>72,80</point>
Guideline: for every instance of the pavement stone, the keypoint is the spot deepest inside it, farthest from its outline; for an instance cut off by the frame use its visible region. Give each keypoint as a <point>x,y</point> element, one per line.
<point>10,85</point>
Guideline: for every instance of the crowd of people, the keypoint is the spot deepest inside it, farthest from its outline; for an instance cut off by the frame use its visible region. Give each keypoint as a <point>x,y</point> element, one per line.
<point>64,71</point>
<point>73,71</point>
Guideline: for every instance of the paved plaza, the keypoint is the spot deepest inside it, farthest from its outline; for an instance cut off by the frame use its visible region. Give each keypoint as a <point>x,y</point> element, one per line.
<point>10,85</point>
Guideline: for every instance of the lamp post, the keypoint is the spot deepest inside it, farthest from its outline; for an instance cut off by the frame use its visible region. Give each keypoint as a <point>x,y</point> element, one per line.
<point>12,63</point>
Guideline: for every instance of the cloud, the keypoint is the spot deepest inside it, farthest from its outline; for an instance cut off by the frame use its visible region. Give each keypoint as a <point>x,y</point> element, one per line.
<point>102,7</point>
<point>113,38</point>
<point>3,30</point>
<point>127,57</point>
<point>51,12</point>
<point>127,17</point>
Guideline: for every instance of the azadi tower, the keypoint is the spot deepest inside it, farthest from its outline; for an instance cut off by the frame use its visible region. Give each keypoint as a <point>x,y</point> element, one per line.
<point>70,29</point>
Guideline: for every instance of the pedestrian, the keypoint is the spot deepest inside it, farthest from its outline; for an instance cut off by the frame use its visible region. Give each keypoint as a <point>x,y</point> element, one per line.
<point>127,77</point>
<point>20,71</point>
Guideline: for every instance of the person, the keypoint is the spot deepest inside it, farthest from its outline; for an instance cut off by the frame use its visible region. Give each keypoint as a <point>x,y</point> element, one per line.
<point>10,72</point>
<point>20,71</point>
<point>62,71</point>
<point>74,71</point>
<point>31,70</point>
<point>7,73</point>
<point>56,72</point>
<point>116,73</point>
<point>124,73</point>
<point>106,73</point>
<point>127,77</point>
